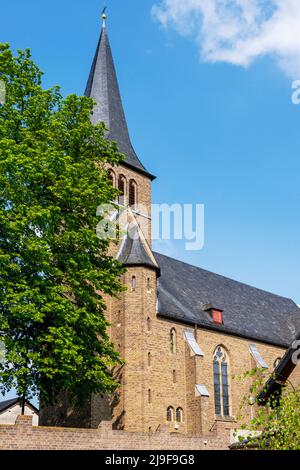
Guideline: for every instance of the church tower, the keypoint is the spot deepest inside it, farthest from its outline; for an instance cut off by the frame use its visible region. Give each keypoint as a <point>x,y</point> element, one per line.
<point>132,178</point>
<point>131,315</point>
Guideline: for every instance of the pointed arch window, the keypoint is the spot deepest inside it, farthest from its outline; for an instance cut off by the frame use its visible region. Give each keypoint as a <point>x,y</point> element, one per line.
<point>221,383</point>
<point>179,415</point>
<point>122,189</point>
<point>170,413</point>
<point>173,341</point>
<point>132,193</point>
<point>111,176</point>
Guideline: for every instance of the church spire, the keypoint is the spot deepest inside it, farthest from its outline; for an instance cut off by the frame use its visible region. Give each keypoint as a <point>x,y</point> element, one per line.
<point>104,17</point>
<point>103,87</point>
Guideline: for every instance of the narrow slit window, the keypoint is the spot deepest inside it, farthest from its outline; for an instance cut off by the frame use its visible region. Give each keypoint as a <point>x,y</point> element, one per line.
<point>133,283</point>
<point>173,341</point>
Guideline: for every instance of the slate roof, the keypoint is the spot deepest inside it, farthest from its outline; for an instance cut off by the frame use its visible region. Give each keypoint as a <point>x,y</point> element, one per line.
<point>6,404</point>
<point>103,87</point>
<point>135,253</point>
<point>247,311</point>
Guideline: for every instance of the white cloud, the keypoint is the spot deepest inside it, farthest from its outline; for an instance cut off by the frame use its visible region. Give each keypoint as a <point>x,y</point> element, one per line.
<point>238,31</point>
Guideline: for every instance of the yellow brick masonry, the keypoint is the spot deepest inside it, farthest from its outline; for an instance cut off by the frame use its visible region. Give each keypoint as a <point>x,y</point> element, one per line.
<point>24,436</point>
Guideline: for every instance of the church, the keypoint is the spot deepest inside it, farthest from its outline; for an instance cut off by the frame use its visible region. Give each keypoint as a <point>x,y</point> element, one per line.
<point>185,334</point>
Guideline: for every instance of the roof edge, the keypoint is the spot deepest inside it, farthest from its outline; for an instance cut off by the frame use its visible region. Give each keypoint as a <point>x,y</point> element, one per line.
<point>143,265</point>
<point>224,330</point>
<point>137,170</point>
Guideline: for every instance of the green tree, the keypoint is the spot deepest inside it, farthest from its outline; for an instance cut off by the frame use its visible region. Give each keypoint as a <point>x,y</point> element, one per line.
<point>276,423</point>
<point>54,270</point>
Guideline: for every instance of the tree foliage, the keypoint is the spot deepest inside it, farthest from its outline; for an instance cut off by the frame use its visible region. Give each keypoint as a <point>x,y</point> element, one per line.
<point>54,270</point>
<point>276,423</point>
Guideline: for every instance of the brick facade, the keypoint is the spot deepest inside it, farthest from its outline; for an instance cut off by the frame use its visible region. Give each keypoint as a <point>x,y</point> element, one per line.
<point>154,378</point>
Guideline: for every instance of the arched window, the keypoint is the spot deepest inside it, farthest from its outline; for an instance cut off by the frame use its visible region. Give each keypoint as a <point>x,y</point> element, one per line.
<point>133,283</point>
<point>277,362</point>
<point>132,193</point>
<point>148,284</point>
<point>111,177</point>
<point>221,385</point>
<point>149,359</point>
<point>170,413</point>
<point>173,341</point>
<point>149,395</point>
<point>174,377</point>
<point>122,189</point>
<point>179,415</point>
<point>148,324</point>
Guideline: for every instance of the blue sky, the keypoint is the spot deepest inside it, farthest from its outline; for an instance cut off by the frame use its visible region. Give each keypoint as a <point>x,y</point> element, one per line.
<point>213,133</point>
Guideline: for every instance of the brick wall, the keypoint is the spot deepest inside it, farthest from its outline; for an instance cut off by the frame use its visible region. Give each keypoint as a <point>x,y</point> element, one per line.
<point>24,436</point>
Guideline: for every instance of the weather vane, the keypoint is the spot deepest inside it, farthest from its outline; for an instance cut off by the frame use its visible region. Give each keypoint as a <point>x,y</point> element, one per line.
<point>104,16</point>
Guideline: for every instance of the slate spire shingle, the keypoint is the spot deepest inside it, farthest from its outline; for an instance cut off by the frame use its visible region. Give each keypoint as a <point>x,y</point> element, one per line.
<point>103,87</point>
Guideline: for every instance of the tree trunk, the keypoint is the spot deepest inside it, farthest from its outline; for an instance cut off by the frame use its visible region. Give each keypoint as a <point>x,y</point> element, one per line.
<point>23,404</point>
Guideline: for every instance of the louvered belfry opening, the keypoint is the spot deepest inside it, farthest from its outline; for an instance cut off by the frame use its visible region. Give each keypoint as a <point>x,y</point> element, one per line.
<point>111,177</point>
<point>121,188</point>
<point>132,193</point>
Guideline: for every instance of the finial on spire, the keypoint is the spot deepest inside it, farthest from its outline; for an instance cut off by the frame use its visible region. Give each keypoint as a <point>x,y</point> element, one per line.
<point>104,16</point>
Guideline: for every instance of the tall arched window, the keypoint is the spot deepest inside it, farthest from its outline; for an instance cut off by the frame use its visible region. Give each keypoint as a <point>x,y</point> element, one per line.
<point>173,341</point>
<point>132,193</point>
<point>148,324</point>
<point>221,385</point>
<point>122,189</point>
<point>149,359</point>
<point>170,413</point>
<point>149,396</point>
<point>133,283</point>
<point>179,415</point>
